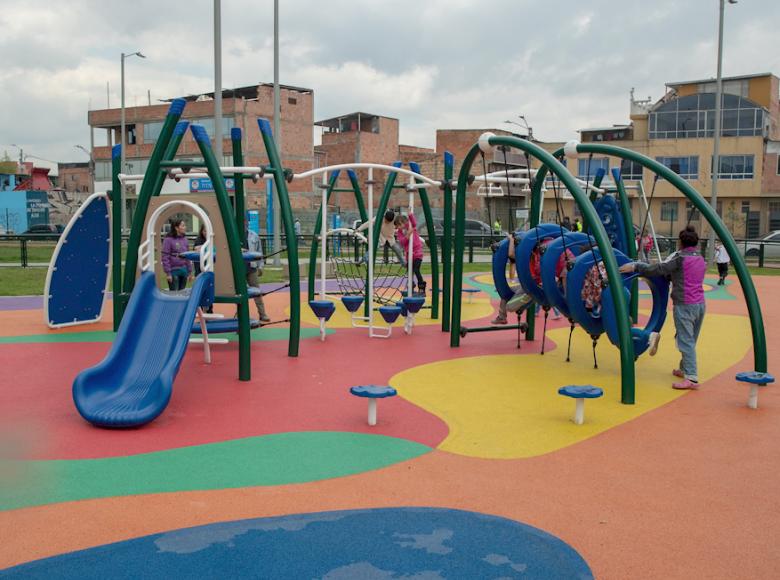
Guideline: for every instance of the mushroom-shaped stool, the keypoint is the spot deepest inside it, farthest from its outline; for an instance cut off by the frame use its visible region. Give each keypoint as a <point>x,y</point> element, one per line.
<point>755,379</point>
<point>372,393</point>
<point>470,293</point>
<point>579,393</point>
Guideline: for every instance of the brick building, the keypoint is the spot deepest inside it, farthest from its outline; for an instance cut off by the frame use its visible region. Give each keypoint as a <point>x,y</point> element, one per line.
<point>74,177</point>
<point>241,107</point>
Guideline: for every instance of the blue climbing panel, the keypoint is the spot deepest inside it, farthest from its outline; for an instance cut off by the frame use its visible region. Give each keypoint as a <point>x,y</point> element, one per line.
<point>77,281</point>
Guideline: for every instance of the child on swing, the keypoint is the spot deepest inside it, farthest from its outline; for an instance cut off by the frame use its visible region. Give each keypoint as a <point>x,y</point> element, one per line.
<point>406,229</point>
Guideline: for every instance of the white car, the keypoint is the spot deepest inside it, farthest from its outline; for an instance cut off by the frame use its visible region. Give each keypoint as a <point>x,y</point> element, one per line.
<point>771,250</point>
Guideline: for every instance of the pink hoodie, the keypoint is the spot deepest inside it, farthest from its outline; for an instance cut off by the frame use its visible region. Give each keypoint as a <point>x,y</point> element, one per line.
<point>417,245</point>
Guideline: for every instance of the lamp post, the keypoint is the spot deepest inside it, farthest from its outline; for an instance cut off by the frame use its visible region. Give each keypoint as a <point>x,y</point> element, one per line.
<point>122,113</point>
<point>91,167</point>
<point>529,132</point>
<point>716,136</point>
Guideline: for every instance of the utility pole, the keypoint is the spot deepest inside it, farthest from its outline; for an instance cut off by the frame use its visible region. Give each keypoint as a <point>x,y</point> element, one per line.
<point>277,135</point>
<point>218,81</point>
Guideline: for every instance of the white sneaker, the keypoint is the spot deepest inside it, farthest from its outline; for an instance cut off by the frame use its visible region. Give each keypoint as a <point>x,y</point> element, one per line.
<point>652,343</point>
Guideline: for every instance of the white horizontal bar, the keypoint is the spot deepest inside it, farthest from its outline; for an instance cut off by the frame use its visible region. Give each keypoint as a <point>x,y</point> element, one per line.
<point>388,168</point>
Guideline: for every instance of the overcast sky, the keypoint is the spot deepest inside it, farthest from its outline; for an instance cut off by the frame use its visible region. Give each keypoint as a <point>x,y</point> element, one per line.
<point>564,64</point>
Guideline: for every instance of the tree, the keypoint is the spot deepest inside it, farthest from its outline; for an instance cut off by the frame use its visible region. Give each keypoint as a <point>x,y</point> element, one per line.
<point>8,165</point>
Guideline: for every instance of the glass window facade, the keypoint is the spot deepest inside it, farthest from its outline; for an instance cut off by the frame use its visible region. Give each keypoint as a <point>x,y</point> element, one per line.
<point>736,167</point>
<point>669,211</point>
<point>630,170</point>
<point>587,168</point>
<point>685,167</point>
<point>693,116</point>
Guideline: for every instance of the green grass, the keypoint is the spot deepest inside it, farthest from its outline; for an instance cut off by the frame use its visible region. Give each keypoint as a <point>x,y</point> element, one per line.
<point>17,281</point>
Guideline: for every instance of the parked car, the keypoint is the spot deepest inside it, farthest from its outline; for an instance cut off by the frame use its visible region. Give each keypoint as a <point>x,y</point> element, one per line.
<point>771,249</point>
<point>45,229</point>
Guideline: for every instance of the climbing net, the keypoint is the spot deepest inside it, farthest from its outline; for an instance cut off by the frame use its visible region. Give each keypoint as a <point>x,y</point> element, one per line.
<point>389,279</point>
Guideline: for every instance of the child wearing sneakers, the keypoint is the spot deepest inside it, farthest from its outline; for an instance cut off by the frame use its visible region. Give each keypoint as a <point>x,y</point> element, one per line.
<point>686,269</point>
<point>520,298</point>
<point>406,229</point>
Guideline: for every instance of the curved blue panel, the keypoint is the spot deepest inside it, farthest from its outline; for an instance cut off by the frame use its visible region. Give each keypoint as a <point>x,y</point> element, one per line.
<point>500,259</point>
<point>265,127</point>
<point>181,127</point>
<point>610,215</point>
<point>177,107</point>
<point>523,258</point>
<point>199,133</point>
<point>593,325</point>
<point>370,543</point>
<point>659,290</point>
<point>574,242</point>
<point>79,275</point>
<point>133,384</point>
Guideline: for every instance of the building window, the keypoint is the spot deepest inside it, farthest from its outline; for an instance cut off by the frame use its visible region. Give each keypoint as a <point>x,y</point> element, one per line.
<point>102,171</point>
<point>693,116</point>
<point>152,131</point>
<point>691,213</point>
<point>631,170</point>
<point>745,207</point>
<point>589,167</point>
<point>736,167</point>
<point>153,128</point>
<point>669,211</point>
<point>774,215</point>
<point>292,101</point>
<point>685,167</point>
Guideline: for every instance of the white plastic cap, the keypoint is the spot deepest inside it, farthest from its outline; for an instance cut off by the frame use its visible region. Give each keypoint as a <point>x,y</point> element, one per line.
<point>570,149</point>
<point>483,142</point>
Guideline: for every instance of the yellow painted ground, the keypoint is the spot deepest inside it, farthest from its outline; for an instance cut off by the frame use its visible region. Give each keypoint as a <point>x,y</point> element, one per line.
<point>479,308</point>
<point>507,406</point>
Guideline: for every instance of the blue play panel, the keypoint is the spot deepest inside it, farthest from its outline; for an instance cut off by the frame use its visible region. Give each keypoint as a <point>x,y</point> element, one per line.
<point>78,276</point>
<point>361,544</point>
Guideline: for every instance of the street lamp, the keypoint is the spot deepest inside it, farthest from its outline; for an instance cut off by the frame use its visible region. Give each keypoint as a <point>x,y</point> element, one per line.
<point>91,167</point>
<point>716,136</point>
<point>122,122</point>
<point>528,130</point>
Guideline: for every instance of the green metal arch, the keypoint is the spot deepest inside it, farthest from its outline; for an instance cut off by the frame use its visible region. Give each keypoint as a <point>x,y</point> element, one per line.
<point>746,282</point>
<point>626,346</point>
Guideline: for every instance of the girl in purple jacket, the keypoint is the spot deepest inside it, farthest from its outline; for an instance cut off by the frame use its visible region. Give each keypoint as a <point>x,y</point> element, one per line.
<point>177,270</point>
<point>685,268</point>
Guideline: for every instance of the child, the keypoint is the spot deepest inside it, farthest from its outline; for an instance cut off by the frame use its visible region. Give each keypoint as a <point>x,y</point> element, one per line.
<point>686,269</point>
<point>520,298</point>
<point>177,270</point>
<point>406,229</point>
<point>722,261</point>
<point>386,235</point>
<point>254,270</point>
<point>560,269</point>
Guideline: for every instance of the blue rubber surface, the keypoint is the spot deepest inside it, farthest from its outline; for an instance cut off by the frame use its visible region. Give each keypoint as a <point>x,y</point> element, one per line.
<point>133,384</point>
<point>80,275</point>
<point>373,391</point>
<point>360,544</point>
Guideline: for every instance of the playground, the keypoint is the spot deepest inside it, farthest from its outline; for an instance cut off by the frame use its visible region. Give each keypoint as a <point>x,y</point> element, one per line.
<point>382,426</point>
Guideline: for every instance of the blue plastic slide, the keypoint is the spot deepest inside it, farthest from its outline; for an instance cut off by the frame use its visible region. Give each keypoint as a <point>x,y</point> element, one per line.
<point>133,384</point>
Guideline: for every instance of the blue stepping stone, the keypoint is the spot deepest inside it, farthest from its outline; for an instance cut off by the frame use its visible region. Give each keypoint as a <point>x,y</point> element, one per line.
<point>755,379</point>
<point>352,303</point>
<point>322,308</point>
<point>390,313</point>
<point>579,393</point>
<point>413,303</point>
<point>372,393</point>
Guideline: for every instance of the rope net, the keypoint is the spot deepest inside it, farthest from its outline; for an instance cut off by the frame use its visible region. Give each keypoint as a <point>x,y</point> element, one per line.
<point>389,279</point>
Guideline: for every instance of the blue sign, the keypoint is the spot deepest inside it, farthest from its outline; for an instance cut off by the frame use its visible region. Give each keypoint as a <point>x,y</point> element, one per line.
<point>203,184</point>
<point>254,220</point>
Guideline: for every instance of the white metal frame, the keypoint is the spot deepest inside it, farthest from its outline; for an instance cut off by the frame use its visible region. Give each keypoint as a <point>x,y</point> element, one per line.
<point>52,268</point>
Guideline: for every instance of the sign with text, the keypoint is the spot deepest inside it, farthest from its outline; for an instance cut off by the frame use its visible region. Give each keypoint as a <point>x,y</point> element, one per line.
<point>203,184</point>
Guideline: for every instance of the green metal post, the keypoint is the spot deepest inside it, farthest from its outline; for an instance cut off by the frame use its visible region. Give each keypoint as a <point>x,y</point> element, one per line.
<point>433,244</point>
<point>149,188</point>
<point>117,199</point>
<point>234,249</point>
<point>238,178</point>
<point>446,248</point>
<point>313,253</point>
<point>628,226</point>
<point>275,166</point>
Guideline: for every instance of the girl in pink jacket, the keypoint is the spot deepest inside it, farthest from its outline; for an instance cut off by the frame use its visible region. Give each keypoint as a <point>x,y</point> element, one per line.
<point>405,229</point>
